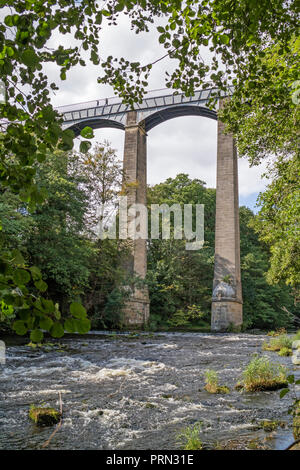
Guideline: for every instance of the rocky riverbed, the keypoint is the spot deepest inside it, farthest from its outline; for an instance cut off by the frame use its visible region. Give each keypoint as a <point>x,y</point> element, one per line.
<point>138,392</point>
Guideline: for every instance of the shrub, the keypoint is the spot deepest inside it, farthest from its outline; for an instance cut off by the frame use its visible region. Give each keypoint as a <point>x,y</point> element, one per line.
<point>211,383</point>
<point>285,352</point>
<point>278,343</point>
<point>232,328</point>
<point>189,437</point>
<point>269,426</point>
<point>278,332</point>
<point>296,337</point>
<point>261,374</point>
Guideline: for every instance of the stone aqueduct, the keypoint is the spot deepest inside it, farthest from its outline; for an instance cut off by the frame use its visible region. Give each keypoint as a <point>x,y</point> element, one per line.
<point>157,107</point>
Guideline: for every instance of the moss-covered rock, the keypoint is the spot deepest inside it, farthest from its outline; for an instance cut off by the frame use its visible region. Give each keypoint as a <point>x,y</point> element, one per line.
<point>269,426</point>
<point>44,416</point>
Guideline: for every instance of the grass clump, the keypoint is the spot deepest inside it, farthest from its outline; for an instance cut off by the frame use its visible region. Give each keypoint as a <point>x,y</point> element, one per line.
<point>278,332</point>
<point>189,437</point>
<point>285,352</point>
<point>212,383</point>
<point>296,337</point>
<point>269,426</point>
<point>43,416</point>
<point>261,374</point>
<point>278,343</point>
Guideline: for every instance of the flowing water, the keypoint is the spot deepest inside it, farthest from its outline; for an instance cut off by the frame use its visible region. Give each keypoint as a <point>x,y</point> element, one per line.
<point>138,392</point>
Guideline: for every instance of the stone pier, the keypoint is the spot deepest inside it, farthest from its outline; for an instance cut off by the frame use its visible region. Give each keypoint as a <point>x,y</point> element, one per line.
<point>227,304</point>
<point>136,311</point>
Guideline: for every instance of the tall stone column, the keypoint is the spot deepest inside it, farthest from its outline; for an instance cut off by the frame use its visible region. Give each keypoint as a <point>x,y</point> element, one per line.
<point>227,304</point>
<point>136,311</point>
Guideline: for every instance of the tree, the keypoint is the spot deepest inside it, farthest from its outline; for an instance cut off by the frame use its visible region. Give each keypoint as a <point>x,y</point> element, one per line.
<point>47,238</point>
<point>104,179</point>
<point>264,304</point>
<point>180,281</point>
<point>104,296</point>
<point>59,245</point>
<point>277,223</point>
<point>264,117</point>
<point>264,111</point>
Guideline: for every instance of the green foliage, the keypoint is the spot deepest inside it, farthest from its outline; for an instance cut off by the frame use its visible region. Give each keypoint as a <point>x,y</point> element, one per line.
<point>296,337</point>
<point>261,374</point>
<point>180,280</point>
<point>263,114</point>
<point>278,343</point>
<point>185,317</point>
<point>212,383</point>
<point>59,238</point>
<point>241,37</point>
<point>44,416</point>
<point>285,352</point>
<point>211,379</point>
<point>189,437</point>
<point>113,310</point>
<point>277,223</point>
<point>263,303</point>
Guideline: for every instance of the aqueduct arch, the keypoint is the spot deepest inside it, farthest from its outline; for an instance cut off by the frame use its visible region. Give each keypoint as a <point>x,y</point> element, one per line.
<point>158,107</point>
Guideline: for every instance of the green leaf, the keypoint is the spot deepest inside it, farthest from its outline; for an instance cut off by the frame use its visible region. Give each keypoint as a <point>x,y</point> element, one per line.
<point>291,379</point>
<point>19,327</point>
<point>98,18</point>
<point>87,132</point>
<point>84,146</point>
<point>46,323</point>
<point>21,277</point>
<point>35,273</point>
<point>83,325</point>
<point>41,285</point>
<point>70,326</point>
<point>77,310</point>
<point>57,330</point>
<point>224,39</point>
<point>48,305</point>
<point>17,257</point>
<point>36,336</point>
<point>29,58</point>
<point>283,392</point>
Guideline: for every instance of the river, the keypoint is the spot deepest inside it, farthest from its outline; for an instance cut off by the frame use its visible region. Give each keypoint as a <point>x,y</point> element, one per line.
<point>138,392</point>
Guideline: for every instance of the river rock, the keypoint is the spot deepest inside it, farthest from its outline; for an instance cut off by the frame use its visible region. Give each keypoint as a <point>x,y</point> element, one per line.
<point>296,357</point>
<point>296,344</point>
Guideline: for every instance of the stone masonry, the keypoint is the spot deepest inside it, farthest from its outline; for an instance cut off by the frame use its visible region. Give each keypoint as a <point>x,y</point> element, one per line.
<point>136,311</point>
<point>227,305</point>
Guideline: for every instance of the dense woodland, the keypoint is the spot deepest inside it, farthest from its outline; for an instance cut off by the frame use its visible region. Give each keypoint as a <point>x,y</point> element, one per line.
<point>59,237</point>
<point>53,269</point>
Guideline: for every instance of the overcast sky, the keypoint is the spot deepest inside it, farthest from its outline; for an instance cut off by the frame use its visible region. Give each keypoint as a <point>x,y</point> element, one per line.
<point>185,144</point>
